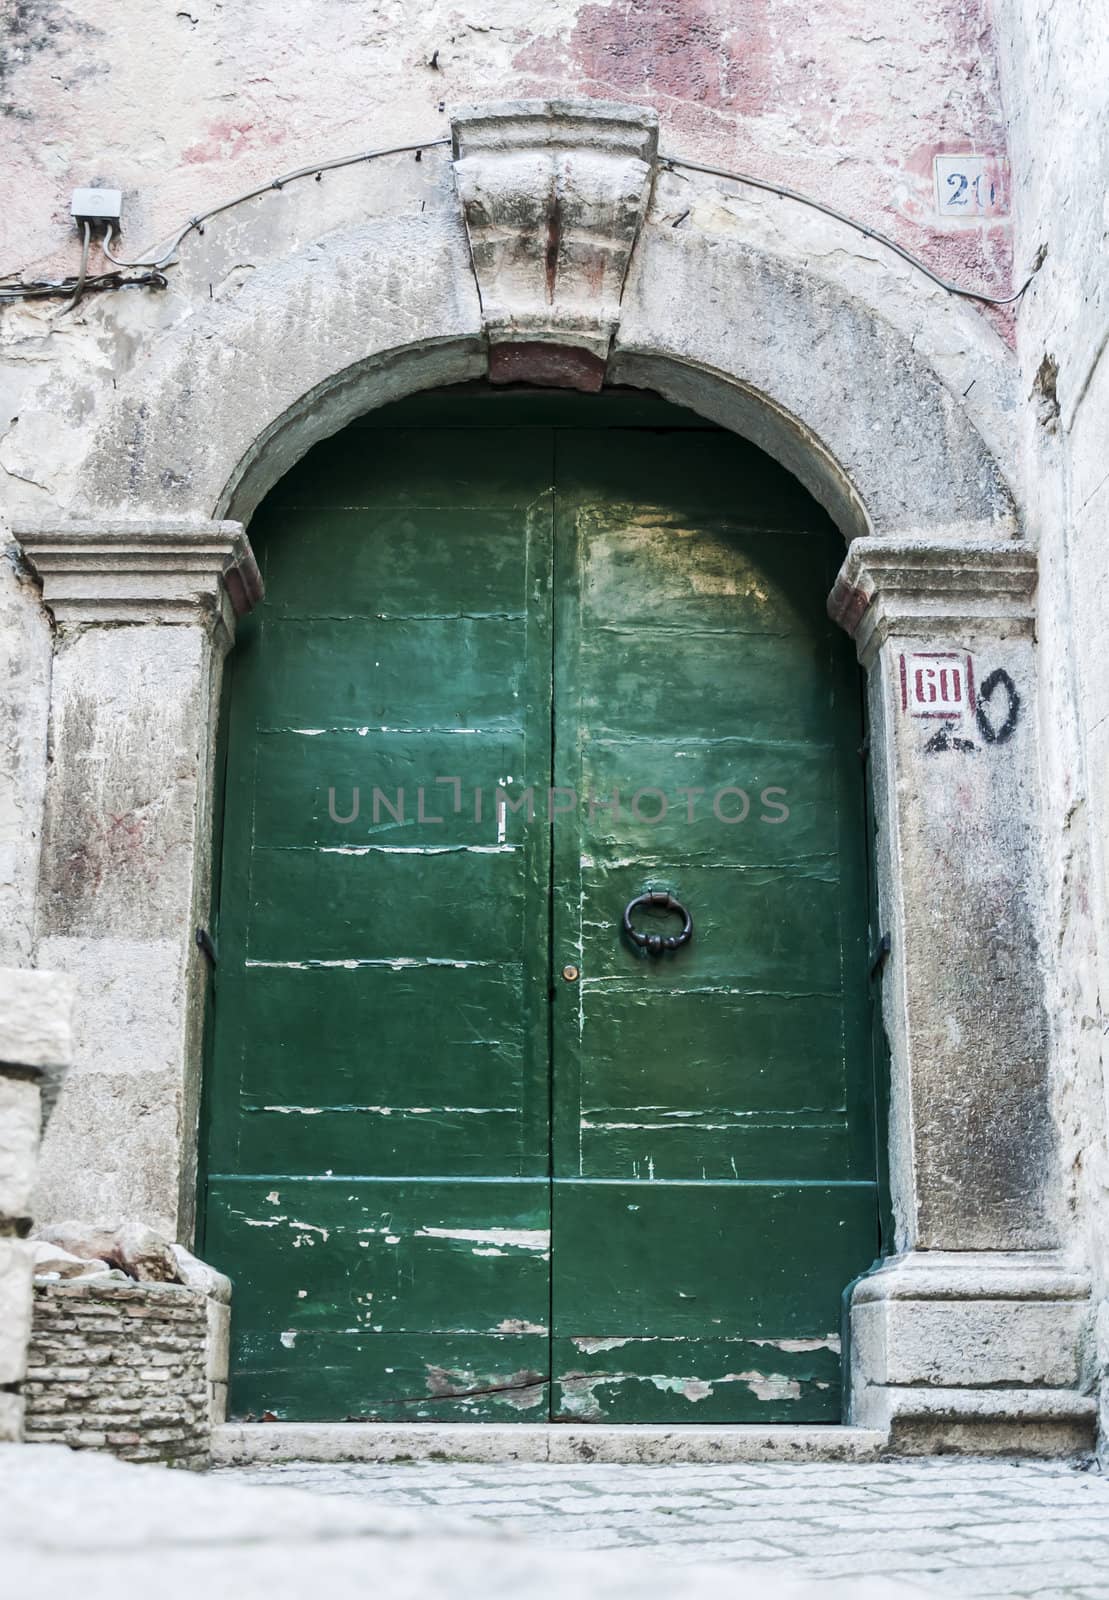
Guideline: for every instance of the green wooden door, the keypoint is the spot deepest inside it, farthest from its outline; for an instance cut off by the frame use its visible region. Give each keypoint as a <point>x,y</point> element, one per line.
<point>448,1182</point>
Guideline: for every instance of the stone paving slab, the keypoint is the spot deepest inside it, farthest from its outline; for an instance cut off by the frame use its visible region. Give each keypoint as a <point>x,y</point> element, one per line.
<point>80,1523</point>
<point>964,1528</point>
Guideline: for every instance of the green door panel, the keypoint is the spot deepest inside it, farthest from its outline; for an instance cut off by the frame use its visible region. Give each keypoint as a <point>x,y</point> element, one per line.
<point>374,1298</point>
<point>683,1259</point>
<point>448,1184</point>
<point>720,1302</point>
<point>368,1063</point>
<point>328,789</point>
<point>397,1377</point>
<point>380,1005</point>
<point>699,1380</point>
<point>436,674</point>
<point>350,904</point>
<point>711,1117</point>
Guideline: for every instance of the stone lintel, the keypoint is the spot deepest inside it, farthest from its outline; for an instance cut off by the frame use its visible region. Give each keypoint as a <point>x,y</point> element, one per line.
<point>154,570</point>
<point>553,195</point>
<point>927,588</point>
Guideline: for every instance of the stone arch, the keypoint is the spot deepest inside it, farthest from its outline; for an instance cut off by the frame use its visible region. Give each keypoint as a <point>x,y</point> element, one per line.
<point>827,374</point>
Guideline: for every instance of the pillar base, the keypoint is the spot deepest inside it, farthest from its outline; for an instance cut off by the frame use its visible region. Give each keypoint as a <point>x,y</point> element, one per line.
<point>975,1352</point>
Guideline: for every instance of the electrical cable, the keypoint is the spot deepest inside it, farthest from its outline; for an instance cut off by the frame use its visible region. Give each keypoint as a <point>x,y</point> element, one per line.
<point>155,262</point>
<point>870,233</point>
<point>312,171</point>
<point>82,270</point>
<point>11,293</point>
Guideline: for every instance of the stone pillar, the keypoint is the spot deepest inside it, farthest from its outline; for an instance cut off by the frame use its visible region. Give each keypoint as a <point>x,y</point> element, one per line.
<point>35,1048</point>
<point>971,1334</point>
<point>143,616</point>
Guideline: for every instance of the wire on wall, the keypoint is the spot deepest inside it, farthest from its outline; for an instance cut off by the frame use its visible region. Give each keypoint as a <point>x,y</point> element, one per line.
<point>154,261</point>
<point>869,233</point>
<point>163,258</point>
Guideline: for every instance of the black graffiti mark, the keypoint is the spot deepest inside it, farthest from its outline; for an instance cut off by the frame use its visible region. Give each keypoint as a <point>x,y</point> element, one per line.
<point>945,739</point>
<point>998,678</point>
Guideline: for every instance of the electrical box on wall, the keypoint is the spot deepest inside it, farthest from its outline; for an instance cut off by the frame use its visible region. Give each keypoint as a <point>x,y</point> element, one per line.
<point>97,205</point>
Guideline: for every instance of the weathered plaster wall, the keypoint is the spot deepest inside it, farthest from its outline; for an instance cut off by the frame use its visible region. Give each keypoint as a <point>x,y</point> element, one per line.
<point>185,106</point>
<point>175,101</point>
<point>35,1049</point>
<point>1055,58</point>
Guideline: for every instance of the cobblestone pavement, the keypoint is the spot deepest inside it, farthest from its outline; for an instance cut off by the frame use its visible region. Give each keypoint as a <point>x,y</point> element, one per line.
<point>968,1528</point>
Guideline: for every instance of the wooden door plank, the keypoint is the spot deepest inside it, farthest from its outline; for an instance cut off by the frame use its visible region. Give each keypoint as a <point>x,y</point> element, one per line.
<point>380,1007</point>
<point>698,1380</point>
<point>711,1107</point>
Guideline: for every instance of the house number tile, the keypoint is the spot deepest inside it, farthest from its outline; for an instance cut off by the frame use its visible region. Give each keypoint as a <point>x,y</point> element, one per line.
<point>937,683</point>
<point>970,186</point>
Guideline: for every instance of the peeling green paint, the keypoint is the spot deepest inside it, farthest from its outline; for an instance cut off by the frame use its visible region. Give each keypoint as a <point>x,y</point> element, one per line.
<point>446,1183</point>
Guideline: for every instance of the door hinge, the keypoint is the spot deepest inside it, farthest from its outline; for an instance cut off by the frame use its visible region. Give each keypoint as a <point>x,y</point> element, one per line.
<point>206,947</point>
<point>880,956</point>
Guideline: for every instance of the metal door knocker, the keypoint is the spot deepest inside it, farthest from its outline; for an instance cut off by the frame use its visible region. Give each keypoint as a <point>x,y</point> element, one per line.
<point>656,943</point>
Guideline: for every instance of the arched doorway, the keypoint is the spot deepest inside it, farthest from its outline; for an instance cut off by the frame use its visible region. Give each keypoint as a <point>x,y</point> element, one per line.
<point>473,1152</point>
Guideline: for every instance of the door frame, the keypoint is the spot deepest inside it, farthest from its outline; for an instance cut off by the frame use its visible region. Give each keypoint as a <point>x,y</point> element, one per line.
<point>146,528</point>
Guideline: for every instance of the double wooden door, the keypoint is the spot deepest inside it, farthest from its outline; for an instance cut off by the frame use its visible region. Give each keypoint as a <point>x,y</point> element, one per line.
<point>474,1152</point>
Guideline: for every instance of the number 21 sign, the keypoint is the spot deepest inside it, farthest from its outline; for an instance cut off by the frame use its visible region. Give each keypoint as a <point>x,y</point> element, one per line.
<point>970,186</point>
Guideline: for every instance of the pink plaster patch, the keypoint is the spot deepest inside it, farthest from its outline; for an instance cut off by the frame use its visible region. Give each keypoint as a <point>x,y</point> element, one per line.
<point>849,101</point>
<point>225,140</point>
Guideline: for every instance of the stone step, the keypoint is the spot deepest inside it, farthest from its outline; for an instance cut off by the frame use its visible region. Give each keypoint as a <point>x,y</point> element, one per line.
<point>237,1444</point>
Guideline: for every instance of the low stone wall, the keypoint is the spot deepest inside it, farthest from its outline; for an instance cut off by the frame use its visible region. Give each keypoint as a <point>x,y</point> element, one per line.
<point>120,1367</point>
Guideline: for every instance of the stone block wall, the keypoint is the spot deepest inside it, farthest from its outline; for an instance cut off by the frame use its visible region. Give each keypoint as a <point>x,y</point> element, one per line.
<point>20,1116</point>
<point>121,1367</point>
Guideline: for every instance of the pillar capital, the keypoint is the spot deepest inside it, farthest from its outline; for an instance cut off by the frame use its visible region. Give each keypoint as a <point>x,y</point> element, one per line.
<point>153,570</point>
<point>890,588</point>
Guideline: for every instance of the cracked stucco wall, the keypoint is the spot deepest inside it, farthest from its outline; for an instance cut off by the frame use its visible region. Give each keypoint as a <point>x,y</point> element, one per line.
<point>173,100</point>
<point>1055,60</point>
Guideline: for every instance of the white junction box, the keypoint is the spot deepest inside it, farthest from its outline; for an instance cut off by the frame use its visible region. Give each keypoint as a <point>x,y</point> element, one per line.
<point>97,205</point>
